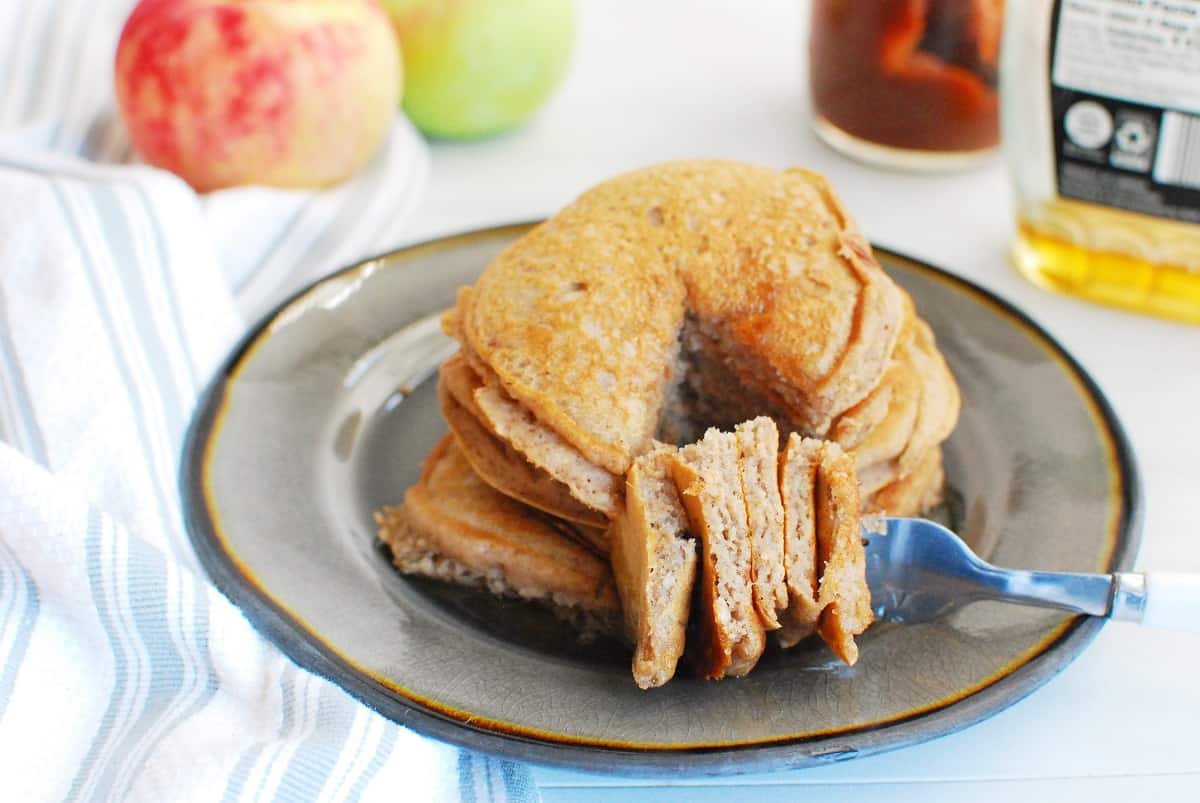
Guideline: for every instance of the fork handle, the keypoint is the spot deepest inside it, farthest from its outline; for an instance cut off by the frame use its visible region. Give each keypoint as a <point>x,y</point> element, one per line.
<point>1172,601</point>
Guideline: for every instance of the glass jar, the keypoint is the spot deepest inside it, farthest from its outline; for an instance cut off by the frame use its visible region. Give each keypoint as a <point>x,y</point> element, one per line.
<point>1101,118</point>
<point>907,83</point>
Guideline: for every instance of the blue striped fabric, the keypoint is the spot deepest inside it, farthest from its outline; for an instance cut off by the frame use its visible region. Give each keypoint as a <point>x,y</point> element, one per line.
<point>19,604</point>
<point>123,674</point>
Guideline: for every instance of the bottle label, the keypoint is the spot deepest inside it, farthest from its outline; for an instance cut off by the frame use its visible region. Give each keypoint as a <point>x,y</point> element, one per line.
<point>1125,99</point>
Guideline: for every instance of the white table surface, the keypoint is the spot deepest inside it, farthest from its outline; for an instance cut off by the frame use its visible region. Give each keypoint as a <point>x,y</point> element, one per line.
<point>657,80</point>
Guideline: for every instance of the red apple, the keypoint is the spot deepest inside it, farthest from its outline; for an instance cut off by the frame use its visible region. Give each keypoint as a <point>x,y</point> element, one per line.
<point>289,93</point>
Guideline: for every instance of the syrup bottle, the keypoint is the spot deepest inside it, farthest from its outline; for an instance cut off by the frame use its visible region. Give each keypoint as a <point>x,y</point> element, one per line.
<point>1100,113</point>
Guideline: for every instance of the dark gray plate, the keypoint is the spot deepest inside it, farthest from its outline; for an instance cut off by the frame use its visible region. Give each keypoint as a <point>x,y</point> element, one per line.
<point>325,411</point>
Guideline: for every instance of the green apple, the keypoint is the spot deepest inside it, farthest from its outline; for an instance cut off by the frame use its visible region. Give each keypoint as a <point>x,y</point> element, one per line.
<point>473,68</point>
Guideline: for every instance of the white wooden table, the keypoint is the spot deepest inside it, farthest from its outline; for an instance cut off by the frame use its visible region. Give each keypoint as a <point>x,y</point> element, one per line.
<point>657,80</point>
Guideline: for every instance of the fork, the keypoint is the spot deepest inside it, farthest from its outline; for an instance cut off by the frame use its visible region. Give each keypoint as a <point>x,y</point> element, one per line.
<point>919,570</point>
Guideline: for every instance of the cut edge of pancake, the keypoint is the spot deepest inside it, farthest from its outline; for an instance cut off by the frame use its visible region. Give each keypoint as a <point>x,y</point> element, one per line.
<point>797,479</point>
<point>843,595</point>
<point>731,634</point>
<point>654,563</point>
<point>758,468</point>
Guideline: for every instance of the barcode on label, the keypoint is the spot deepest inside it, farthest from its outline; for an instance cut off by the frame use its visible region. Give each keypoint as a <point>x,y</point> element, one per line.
<point>1178,158</point>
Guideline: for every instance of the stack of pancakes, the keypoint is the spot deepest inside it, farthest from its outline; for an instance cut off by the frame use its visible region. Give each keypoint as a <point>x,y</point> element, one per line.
<point>680,297</point>
<point>457,528</point>
<point>776,538</point>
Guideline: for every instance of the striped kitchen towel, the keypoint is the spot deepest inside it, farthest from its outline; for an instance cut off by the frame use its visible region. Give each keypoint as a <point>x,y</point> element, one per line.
<point>124,675</point>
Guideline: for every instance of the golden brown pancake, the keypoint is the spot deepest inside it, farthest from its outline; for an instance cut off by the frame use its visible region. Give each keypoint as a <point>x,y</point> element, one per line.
<point>580,319</point>
<point>797,484</point>
<point>900,392</point>
<point>455,527</point>
<point>940,399</point>
<point>843,595</point>
<point>714,395</point>
<point>595,487</point>
<point>654,562</point>
<point>914,493</point>
<point>674,298</point>
<point>730,633</point>
<point>512,424</point>
<point>920,403</point>
<point>503,467</point>
<point>853,426</point>
<point>758,465</point>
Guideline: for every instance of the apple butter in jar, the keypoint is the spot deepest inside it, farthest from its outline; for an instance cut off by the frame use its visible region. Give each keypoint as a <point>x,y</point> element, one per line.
<point>907,83</point>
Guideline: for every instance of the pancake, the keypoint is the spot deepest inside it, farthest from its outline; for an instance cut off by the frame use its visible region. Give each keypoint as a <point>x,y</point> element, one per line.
<point>592,485</point>
<point>668,302</point>
<point>853,426</point>
<point>455,527</point>
<point>654,562</point>
<point>729,633</point>
<point>580,320</point>
<point>940,399</point>
<point>758,465</point>
<point>922,406</point>
<point>477,389</point>
<point>715,395</point>
<point>900,391</point>
<point>501,466</point>
<point>875,477</point>
<point>917,388</point>
<point>797,485</point>
<point>843,595</point>
<point>914,493</point>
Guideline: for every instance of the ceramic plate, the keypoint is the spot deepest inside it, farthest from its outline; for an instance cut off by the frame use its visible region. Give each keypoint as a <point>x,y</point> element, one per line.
<point>324,414</point>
